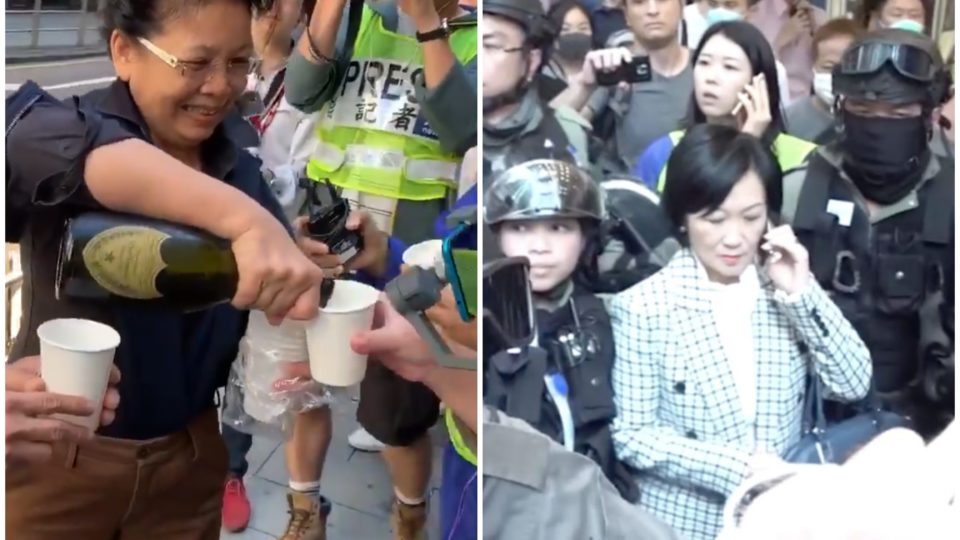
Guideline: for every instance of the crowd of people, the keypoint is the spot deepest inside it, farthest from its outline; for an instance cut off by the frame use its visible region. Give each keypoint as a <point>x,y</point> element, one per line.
<point>718,211</point>
<point>225,116</point>
<point>803,168</point>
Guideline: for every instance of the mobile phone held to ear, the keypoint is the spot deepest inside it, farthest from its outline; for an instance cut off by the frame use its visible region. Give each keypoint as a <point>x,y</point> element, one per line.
<point>768,255</point>
<point>637,70</point>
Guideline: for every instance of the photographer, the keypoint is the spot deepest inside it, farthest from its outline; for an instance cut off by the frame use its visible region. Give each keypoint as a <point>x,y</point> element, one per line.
<point>655,25</point>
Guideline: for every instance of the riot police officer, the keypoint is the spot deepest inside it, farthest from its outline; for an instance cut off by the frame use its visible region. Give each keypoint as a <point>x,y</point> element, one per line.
<point>550,212</point>
<point>876,212</point>
<point>517,37</point>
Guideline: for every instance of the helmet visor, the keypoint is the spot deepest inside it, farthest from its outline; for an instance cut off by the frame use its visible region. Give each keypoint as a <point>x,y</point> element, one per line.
<point>542,189</point>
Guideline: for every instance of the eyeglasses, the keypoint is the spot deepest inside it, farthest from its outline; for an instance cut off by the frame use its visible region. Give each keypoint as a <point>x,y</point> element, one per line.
<point>490,48</point>
<point>199,72</point>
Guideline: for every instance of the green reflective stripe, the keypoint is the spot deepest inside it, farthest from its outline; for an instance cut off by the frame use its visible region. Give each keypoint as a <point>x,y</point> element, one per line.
<point>791,153</point>
<point>383,145</point>
<point>457,439</point>
<point>465,263</point>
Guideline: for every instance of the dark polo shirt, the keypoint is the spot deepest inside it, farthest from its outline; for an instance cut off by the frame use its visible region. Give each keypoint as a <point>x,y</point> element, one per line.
<point>171,362</point>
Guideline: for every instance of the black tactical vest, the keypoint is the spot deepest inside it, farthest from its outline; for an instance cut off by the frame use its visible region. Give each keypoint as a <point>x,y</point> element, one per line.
<point>883,275</point>
<point>577,342</point>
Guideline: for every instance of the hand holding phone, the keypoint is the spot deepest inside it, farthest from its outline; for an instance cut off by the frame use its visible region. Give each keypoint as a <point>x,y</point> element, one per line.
<point>785,260</point>
<point>753,107</point>
<point>636,70</point>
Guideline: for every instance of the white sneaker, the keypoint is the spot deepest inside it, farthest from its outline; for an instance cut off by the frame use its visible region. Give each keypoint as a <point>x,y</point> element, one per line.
<point>364,441</point>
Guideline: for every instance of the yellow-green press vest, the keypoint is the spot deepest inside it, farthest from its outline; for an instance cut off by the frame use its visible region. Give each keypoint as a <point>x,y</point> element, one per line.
<point>373,137</point>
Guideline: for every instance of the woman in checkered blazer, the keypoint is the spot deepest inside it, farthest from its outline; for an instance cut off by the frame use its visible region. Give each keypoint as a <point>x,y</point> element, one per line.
<point>712,351</point>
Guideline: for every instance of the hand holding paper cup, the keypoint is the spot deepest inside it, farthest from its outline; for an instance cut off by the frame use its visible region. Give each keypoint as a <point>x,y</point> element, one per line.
<point>350,310</point>
<point>76,359</point>
<point>425,254</point>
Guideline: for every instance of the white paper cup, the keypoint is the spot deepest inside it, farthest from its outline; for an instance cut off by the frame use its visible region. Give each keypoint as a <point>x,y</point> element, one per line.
<point>75,360</point>
<point>424,254</point>
<point>350,310</point>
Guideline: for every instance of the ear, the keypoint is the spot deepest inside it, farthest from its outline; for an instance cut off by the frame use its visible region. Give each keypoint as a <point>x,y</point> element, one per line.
<point>122,53</point>
<point>533,63</point>
<point>935,116</point>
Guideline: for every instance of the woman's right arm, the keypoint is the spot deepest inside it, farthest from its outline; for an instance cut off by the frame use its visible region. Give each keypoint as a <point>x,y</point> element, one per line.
<point>58,154</point>
<point>640,436</point>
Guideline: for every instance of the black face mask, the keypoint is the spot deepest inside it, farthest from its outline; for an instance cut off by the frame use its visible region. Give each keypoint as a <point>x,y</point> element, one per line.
<point>574,46</point>
<point>884,157</point>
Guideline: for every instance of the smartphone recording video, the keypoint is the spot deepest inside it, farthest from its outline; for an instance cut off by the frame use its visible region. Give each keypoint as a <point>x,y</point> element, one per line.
<point>507,304</point>
<point>635,71</point>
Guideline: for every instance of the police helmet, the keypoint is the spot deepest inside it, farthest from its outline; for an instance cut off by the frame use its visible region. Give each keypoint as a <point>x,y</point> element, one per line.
<point>892,65</point>
<point>529,14</point>
<point>543,188</point>
<point>637,237</point>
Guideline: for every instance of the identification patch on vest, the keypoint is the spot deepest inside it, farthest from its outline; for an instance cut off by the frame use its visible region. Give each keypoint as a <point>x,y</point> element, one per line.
<point>126,261</point>
<point>377,93</point>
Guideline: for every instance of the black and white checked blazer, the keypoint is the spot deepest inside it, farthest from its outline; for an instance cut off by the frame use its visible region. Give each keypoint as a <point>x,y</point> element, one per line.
<point>680,422</point>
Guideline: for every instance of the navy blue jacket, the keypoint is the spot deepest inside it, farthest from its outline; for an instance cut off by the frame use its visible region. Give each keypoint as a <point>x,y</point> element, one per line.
<point>171,362</point>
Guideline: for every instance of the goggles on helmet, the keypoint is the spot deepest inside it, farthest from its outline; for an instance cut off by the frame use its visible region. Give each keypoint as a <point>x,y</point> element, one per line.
<point>910,61</point>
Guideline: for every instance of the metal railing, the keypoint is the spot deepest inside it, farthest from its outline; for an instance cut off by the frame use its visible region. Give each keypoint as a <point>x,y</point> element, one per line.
<point>12,292</point>
<point>86,22</point>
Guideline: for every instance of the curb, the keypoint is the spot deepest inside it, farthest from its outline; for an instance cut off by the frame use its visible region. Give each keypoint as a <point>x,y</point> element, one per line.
<point>27,56</point>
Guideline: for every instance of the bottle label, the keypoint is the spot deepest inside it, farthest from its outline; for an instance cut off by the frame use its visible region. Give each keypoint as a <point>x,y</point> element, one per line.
<point>126,260</point>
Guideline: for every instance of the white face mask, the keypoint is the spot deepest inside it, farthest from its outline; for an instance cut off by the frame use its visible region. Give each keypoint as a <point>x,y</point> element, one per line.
<point>905,24</point>
<point>823,87</point>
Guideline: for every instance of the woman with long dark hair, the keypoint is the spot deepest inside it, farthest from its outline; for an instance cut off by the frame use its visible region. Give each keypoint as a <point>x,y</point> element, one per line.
<point>735,84</point>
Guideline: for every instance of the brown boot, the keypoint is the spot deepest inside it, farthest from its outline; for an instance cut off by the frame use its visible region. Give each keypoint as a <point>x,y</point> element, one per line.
<point>409,522</point>
<point>308,517</point>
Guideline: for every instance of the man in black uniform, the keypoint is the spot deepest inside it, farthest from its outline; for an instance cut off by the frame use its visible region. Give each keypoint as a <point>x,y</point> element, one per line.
<point>516,39</point>
<point>876,211</point>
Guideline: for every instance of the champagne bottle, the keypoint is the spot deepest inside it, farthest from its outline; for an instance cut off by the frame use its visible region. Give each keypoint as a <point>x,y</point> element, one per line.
<point>105,256</point>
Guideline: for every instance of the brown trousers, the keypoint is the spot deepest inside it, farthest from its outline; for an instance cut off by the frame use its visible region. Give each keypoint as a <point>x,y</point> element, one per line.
<point>112,489</point>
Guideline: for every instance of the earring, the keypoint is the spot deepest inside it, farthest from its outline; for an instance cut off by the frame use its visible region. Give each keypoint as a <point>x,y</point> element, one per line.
<point>682,229</point>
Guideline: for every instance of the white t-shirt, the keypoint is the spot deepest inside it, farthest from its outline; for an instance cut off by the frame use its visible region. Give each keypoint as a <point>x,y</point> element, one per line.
<point>285,145</point>
<point>696,24</point>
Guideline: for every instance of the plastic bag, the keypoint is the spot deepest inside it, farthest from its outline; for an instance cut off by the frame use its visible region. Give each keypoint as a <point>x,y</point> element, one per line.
<point>270,383</point>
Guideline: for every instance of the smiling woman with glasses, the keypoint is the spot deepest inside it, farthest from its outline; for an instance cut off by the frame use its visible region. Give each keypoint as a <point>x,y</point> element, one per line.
<point>158,470</point>
<point>184,63</point>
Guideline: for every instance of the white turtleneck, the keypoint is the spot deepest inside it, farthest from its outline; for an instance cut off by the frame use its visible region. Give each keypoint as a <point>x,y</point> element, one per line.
<point>733,307</point>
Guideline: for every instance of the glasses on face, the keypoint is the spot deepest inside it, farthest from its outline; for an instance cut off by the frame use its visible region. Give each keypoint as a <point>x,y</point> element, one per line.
<point>492,48</point>
<point>200,71</point>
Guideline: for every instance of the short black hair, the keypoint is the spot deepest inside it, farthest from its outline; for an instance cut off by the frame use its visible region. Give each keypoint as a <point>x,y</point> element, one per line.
<point>705,166</point>
<point>142,18</point>
<point>762,60</point>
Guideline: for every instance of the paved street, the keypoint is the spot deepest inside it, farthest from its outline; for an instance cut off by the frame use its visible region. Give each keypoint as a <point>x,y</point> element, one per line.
<point>62,79</point>
<point>357,483</point>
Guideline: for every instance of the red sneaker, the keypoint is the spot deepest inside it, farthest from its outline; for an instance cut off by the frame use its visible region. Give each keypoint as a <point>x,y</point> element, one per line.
<point>236,507</point>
